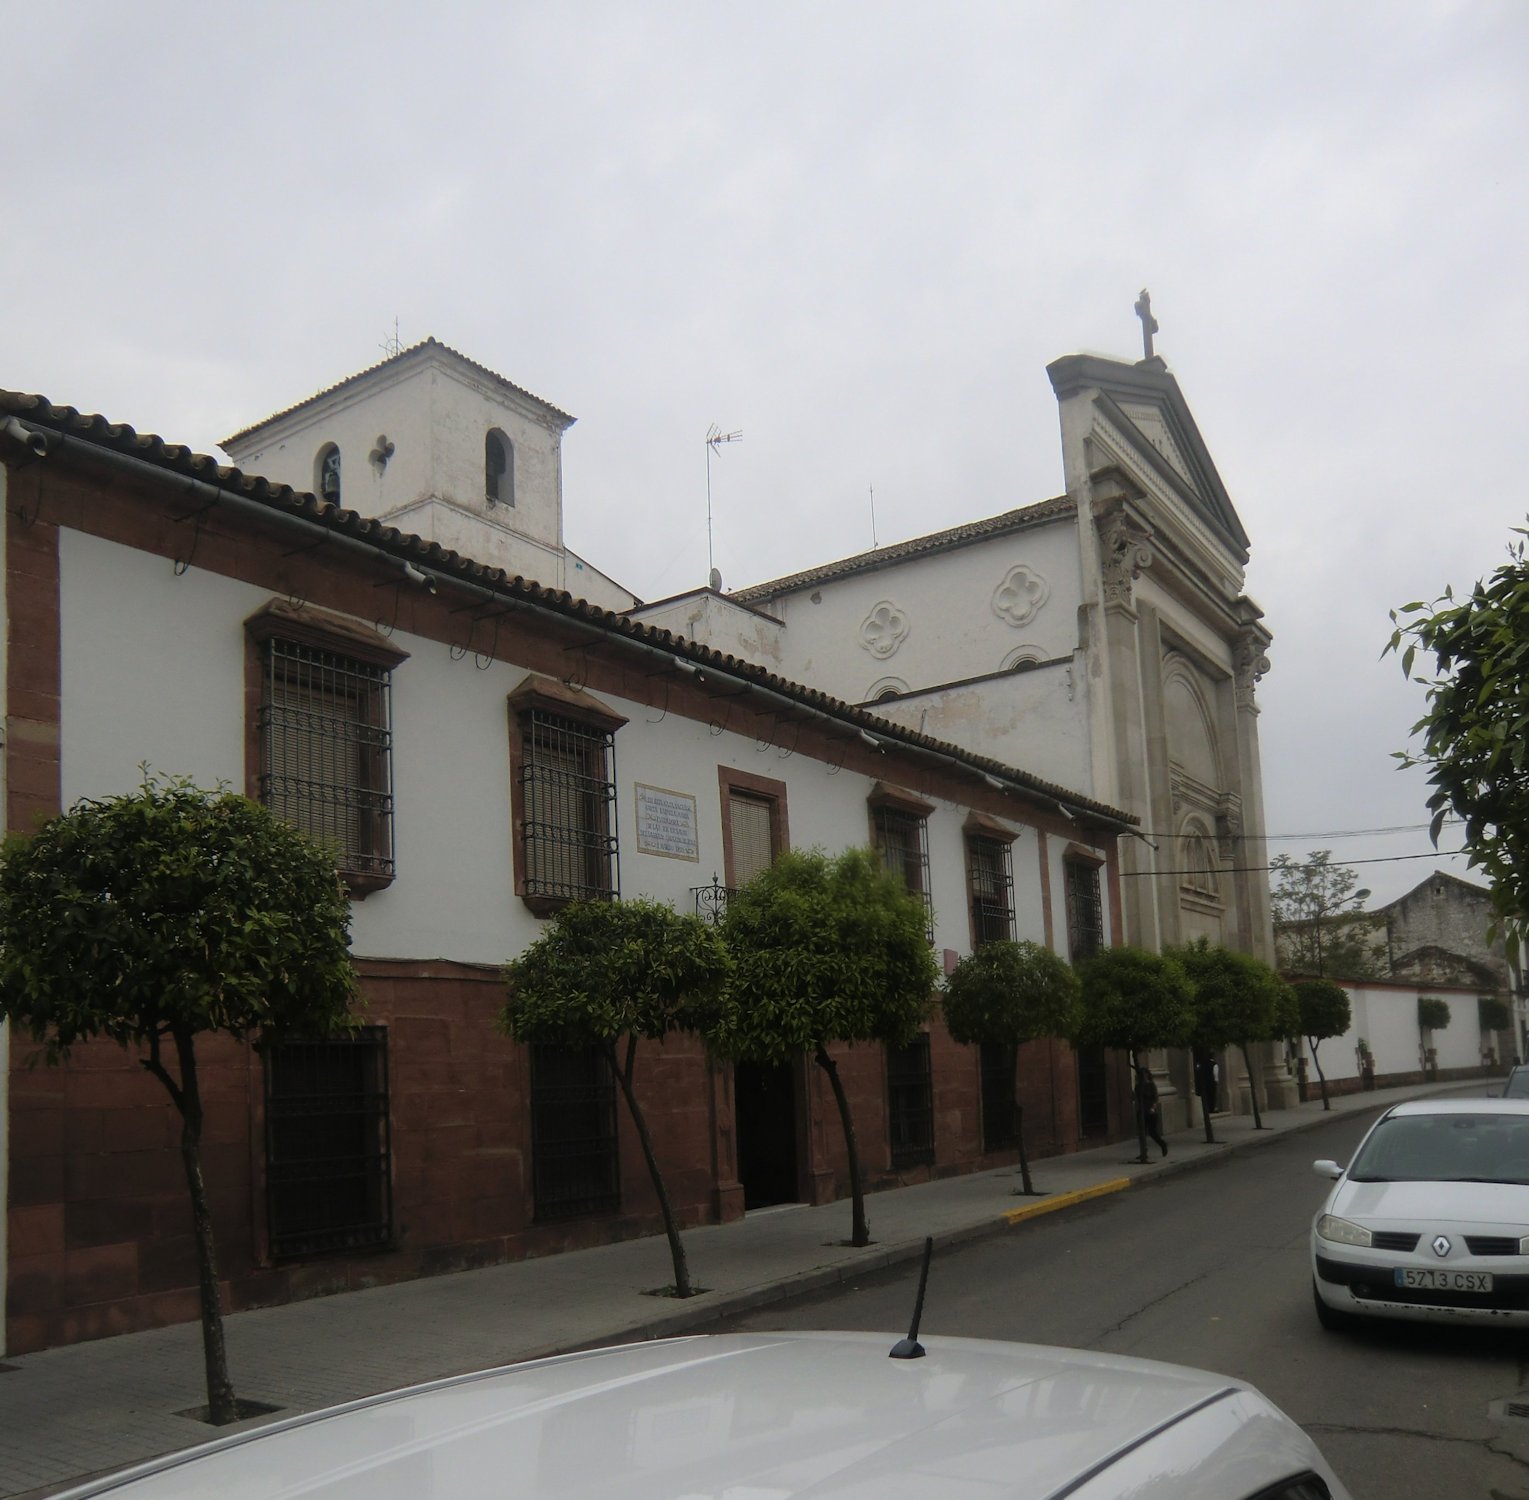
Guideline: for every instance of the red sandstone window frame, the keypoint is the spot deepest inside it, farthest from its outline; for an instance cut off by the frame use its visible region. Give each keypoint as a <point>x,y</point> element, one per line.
<point>562,795</point>
<point>326,654</point>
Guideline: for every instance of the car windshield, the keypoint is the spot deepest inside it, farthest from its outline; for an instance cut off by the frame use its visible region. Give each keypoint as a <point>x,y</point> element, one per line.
<point>1445,1148</point>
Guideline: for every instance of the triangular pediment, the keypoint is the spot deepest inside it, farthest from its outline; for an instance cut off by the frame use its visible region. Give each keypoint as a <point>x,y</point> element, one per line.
<point>1143,404</point>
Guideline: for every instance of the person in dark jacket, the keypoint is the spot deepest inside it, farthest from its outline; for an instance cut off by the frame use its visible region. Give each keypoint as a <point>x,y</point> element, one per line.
<point>1151,1109</point>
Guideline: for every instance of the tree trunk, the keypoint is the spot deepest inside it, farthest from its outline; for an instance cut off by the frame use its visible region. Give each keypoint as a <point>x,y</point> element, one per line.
<point>1321,1076</point>
<point>222,1408</point>
<point>682,1287</point>
<point>860,1231</point>
<point>1141,1111</point>
<point>1247,1062</point>
<point>1026,1186</point>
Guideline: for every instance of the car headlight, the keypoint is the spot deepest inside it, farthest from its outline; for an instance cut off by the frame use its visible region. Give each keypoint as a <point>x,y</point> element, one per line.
<point>1341,1232</point>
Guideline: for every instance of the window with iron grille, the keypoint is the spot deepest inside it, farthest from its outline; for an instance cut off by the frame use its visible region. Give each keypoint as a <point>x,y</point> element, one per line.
<point>1085,910</point>
<point>999,1132</point>
<point>910,1104</point>
<point>574,1164</point>
<point>327,1146</point>
<point>326,752</point>
<point>992,890</point>
<point>567,780</point>
<point>902,839</point>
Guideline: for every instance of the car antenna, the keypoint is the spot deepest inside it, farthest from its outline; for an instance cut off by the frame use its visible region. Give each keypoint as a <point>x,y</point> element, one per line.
<point>910,1348</point>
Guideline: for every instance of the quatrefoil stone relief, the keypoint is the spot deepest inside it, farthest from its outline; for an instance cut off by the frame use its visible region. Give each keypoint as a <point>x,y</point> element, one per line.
<point>884,629</point>
<point>1018,598</point>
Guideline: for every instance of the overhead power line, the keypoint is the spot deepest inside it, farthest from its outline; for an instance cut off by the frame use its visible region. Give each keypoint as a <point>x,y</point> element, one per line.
<point>1388,859</point>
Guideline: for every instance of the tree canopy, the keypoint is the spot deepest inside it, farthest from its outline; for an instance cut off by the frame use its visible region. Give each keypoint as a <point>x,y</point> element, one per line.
<point>1475,730</point>
<point>1434,1014</point>
<point>603,970</point>
<point>607,971</point>
<point>1005,994</point>
<point>159,916</point>
<point>1133,1000</point>
<point>1324,1011</point>
<point>171,909</point>
<point>1238,1000</point>
<point>1318,925</point>
<point>826,949</point>
<point>1011,993</point>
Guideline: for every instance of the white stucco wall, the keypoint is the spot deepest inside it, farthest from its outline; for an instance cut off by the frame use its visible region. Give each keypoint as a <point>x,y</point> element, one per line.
<point>153,670</point>
<point>1035,720</point>
<point>436,414</point>
<point>1386,1016</point>
<point>945,604</point>
<point>712,620</point>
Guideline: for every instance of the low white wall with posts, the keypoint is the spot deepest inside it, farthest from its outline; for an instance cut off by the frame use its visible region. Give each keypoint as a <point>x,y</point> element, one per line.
<point>1386,1017</point>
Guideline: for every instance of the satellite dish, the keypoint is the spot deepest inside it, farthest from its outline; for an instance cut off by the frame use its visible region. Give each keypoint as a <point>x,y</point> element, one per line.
<point>714,580</point>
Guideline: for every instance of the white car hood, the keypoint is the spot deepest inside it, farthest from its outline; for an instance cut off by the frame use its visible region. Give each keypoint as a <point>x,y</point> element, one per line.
<point>762,1416</point>
<point>1504,1206</point>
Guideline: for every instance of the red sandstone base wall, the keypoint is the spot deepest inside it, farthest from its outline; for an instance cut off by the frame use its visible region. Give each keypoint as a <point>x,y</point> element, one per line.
<point>100,1225</point>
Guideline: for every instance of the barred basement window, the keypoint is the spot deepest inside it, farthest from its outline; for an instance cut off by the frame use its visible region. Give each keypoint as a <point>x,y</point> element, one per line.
<point>910,1104</point>
<point>992,890</point>
<point>902,840</point>
<point>998,1124</point>
<point>1085,909</point>
<point>327,1147</point>
<point>569,792</point>
<point>574,1164</point>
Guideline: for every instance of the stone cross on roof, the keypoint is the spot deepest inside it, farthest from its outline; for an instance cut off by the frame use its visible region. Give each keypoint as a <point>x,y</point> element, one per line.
<point>1148,322</point>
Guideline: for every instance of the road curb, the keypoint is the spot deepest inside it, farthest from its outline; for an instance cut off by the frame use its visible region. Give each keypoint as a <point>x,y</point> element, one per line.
<point>1066,1200</point>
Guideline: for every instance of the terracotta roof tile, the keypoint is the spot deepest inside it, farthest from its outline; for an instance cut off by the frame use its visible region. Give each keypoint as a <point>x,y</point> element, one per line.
<point>919,546</point>
<point>175,458</point>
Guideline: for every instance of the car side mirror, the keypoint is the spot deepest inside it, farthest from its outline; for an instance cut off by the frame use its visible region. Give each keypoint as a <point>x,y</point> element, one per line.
<point>1327,1169</point>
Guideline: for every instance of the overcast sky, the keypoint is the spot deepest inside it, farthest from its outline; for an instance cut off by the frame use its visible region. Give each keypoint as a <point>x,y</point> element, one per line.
<point>858,233</point>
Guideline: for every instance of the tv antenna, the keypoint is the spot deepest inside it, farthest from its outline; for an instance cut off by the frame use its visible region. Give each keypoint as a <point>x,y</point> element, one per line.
<point>873,515</point>
<point>391,346</point>
<point>714,437</point>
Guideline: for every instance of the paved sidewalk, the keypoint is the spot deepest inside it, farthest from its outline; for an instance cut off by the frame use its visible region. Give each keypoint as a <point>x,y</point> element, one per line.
<point>69,1413</point>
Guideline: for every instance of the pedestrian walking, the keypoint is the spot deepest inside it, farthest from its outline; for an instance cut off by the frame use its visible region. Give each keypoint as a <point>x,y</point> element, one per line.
<point>1151,1109</point>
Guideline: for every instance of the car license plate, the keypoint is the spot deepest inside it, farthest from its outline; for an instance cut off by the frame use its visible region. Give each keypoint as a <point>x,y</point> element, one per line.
<point>1446,1281</point>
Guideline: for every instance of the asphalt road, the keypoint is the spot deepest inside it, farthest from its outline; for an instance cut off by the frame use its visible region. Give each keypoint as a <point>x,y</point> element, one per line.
<point>1210,1268</point>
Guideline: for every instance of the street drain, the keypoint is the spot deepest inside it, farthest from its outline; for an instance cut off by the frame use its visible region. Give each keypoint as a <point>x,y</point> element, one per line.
<point>1508,1409</point>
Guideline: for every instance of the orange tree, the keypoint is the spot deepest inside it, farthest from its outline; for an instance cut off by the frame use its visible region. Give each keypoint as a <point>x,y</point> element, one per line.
<point>826,949</point>
<point>607,974</point>
<point>1005,994</point>
<point>1133,1000</point>
<point>1237,1000</point>
<point>1325,1011</point>
<point>160,917</point>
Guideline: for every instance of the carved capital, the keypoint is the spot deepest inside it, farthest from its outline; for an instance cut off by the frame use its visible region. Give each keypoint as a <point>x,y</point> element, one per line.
<point>1124,551</point>
<point>1249,664</point>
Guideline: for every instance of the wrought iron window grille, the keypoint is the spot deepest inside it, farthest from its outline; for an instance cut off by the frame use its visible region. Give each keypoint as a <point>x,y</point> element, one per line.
<point>568,784</point>
<point>910,1104</point>
<point>999,1127</point>
<point>992,890</point>
<point>326,752</point>
<point>1085,910</point>
<point>328,1145</point>
<point>574,1165</point>
<point>902,839</point>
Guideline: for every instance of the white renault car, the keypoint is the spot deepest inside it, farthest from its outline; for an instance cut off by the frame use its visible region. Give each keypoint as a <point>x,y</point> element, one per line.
<point>1430,1221</point>
<point>778,1416</point>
